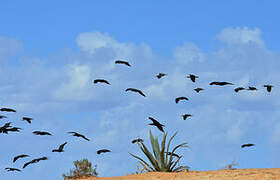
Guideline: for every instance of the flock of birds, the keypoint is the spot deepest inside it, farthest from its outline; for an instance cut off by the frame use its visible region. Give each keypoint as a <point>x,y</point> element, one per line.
<point>6,128</point>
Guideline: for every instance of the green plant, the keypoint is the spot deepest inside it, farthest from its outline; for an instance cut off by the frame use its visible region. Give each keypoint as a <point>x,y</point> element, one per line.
<point>82,168</point>
<point>161,160</point>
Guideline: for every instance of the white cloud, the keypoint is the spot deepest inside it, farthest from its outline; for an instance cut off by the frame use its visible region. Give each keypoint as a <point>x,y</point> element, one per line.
<point>189,52</point>
<point>77,85</point>
<point>241,36</point>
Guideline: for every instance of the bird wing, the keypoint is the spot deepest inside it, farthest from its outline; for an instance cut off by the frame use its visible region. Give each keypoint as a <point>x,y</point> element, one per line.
<point>84,137</point>
<point>122,62</point>
<point>62,146</point>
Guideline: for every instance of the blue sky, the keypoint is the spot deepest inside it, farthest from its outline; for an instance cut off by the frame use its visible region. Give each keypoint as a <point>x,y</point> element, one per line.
<point>50,52</point>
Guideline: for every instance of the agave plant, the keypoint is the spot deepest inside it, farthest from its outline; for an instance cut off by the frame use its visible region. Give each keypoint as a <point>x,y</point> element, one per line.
<point>161,158</point>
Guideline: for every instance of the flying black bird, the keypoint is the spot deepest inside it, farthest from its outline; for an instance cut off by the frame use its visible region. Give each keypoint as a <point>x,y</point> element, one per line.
<point>239,89</point>
<point>12,169</point>
<point>268,87</point>
<point>198,89</point>
<point>7,110</point>
<point>102,151</point>
<point>122,62</point>
<point>137,140</point>
<point>160,75</point>
<point>176,155</point>
<point>220,83</point>
<point>1,117</point>
<point>27,119</point>
<point>34,161</point>
<point>185,116</point>
<point>156,123</point>
<point>192,77</point>
<point>13,129</point>
<point>42,133</point>
<point>136,90</point>
<point>3,129</point>
<point>79,135</point>
<point>101,81</point>
<point>247,145</point>
<point>251,88</point>
<point>60,149</point>
<point>181,98</point>
<point>20,156</point>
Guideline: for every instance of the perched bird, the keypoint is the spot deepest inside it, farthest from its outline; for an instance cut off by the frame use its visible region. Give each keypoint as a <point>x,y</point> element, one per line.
<point>1,117</point>
<point>42,133</point>
<point>34,161</point>
<point>101,81</point>
<point>156,123</point>
<point>137,140</point>
<point>160,75</point>
<point>192,77</point>
<point>268,87</point>
<point>27,119</point>
<point>176,155</point>
<point>239,89</point>
<point>60,149</point>
<point>181,98</point>
<point>78,135</point>
<point>122,62</point>
<point>220,83</point>
<point>19,156</point>
<point>251,88</point>
<point>7,110</point>
<point>12,169</point>
<point>103,151</point>
<point>136,90</point>
<point>185,116</point>
<point>247,145</point>
<point>198,89</point>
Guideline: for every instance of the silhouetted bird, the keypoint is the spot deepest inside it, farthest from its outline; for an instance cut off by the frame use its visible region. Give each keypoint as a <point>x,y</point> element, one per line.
<point>102,151</point>
<point>60,149</point>
<point>192,77</point>
<point>13,129</point>
<point>181,98</point>
<point>101,81</point>
<point>239,89</point>
<point>122,62</point>
<point>157,124</point>
<point>251,88</point>
<point>137,140</point>
<point>3,129</point>
<point>220,83</point>
<point>20,156</point>
<point>79,135</point>
<point>176,155</point>
<point>136,90</point>
<point>268,87</point>
<point>247,145</point>
<point>1,117</point>
<point>7,110</point>
<point>34,161</point>
<point>12,169</point>
<point>27,119</point>
<point>160,75</point>
<point>185,116</point>
<point>42,133</point>
<point>198,89</point>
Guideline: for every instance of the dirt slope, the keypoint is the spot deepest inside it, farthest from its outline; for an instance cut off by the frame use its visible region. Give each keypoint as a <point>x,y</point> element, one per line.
<point>239,174</point>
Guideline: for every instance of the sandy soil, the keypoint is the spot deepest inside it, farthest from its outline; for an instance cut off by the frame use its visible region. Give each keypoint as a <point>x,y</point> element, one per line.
<point>238,174</point>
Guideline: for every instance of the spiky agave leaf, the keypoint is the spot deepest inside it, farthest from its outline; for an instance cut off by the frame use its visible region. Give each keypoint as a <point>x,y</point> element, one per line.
<point>155,147</point>
<point>149,156</point>
<point>142,161</point>
<point>162,156</point>
<point>167,150</point>
<point>171,155</point>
